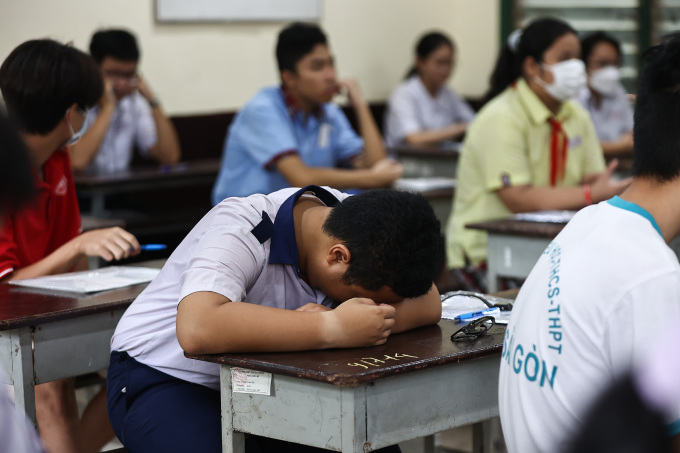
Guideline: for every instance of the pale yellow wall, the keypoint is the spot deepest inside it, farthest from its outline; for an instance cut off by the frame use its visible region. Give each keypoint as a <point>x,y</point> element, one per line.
<point>198,68</point>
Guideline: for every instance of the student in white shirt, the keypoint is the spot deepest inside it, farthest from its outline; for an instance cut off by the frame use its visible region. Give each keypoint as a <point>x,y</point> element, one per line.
<point>597,298</point>
<point>265,273</point>
<point>129,114</point>
<point>605,98</point>
<point>423,109</point>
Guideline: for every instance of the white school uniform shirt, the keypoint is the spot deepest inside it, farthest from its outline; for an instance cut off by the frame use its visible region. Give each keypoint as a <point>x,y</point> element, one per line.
<point>613,118</point>
<point>411,109</point>
<point>131,125</point>
<point>243,249</point>
<point>590,308</point>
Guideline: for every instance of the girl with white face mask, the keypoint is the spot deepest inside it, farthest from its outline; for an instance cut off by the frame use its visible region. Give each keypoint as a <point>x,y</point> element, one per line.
<point>531,147</point>
<point>605,98</point>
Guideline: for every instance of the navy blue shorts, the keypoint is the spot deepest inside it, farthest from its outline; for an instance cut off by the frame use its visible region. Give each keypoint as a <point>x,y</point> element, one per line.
<point>151,411</point>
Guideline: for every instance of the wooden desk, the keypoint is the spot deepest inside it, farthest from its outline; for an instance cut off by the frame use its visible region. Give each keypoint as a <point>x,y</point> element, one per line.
<point>355,400</point>
<point>99,185</point>
<point>49,335</point>
<point>428,160</point>
<point>514,246</point>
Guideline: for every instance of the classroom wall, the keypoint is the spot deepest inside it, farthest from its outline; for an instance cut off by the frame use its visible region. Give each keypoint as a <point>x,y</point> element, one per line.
<point>201,68</point>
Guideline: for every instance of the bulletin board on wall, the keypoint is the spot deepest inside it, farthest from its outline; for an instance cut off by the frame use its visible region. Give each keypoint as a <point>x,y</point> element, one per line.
<point>175,11</point>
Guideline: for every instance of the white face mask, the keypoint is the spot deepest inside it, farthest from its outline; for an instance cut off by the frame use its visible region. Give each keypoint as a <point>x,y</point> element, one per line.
<point>606,80</point>
<point>569,78</point>
<point>75,136</point>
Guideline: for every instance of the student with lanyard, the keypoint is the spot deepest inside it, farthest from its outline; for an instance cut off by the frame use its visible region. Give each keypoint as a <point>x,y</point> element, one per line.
<point>47,87</point>
<point>423,109</point>
<point>292,135</point>
<point>603,293</point>
<point>605,98</point>
<point>295,270</point>
<point>530,148</point>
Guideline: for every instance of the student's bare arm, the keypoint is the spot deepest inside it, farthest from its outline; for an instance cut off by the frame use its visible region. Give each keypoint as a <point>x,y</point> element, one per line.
<point>84,151</point>
<point>208,323</point>
<point>374,149</point>
<point>166,150</point>
<point>528,198</point>
<point>418,312</point>
<point>109,244</point>
<point>436,135</point>
<point>298,174</point>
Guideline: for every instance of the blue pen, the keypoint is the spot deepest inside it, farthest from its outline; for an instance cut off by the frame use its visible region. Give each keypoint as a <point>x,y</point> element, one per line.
<point>150,247</point>
<point>474,314</point>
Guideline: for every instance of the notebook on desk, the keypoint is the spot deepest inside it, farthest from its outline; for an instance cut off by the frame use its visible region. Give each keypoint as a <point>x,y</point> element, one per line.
<point>105,279</point>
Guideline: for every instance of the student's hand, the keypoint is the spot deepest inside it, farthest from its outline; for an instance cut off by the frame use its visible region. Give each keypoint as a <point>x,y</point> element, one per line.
<point>386,171</point>
<point>311,307</point>
<point>145,90</point>
<point>605,186</point>
<point>358,322</point>
<point>109,98</point>
<point>354,94</point>
<point>107,243</point>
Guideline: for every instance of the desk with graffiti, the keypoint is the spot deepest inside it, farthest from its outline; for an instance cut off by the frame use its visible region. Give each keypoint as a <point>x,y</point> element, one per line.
<point>356,400</point>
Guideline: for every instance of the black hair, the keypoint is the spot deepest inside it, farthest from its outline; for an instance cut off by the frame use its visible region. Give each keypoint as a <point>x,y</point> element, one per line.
<point>41,79</point>
<point>295,41</point>
<point>119,44</point>
<point>427,44</point>
<point>656,152</point>
<point>535,40</point>
<point>589,42</point>
<point>16,180</point>
<point>620,421</point>
<point>394,240</point>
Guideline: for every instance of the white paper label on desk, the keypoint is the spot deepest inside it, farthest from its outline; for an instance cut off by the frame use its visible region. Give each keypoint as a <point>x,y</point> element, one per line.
<point>250,381</point>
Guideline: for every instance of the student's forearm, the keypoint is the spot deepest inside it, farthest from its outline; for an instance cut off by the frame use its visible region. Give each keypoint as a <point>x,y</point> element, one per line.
<point>374,149</point>
<point>84,151</point>
<point>436,135</point>
<point>616,148</point>
<point>206,325</point>
<point>530,198</point>
<point>334,177</point>
<point>60,261</point>
<point>418,312</point>
<point>166,150</point>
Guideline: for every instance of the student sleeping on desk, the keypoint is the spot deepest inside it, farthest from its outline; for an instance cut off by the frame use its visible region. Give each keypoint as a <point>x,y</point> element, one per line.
<point>261,273</point>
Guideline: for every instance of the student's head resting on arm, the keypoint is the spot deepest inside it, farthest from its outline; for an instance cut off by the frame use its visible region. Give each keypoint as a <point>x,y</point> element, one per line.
<point>386,243</point>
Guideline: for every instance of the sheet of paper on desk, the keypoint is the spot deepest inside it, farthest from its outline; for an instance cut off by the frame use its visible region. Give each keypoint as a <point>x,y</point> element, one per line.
<point>251,381</point>
<point>546,216</point>
<point>460,305</point>
<point>104,279</point>
<point>423,184</point>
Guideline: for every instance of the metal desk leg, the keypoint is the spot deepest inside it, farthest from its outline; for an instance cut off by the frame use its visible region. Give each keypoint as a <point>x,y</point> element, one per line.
<point>353,417</point>
<point>21,372</point>
<point>232,441</point>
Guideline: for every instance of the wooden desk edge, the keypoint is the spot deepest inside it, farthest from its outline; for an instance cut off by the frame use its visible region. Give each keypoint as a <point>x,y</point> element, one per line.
<point>513,227</point>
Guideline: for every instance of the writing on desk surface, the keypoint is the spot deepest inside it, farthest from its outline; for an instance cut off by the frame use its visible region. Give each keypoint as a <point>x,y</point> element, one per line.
<point>365,362</point>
